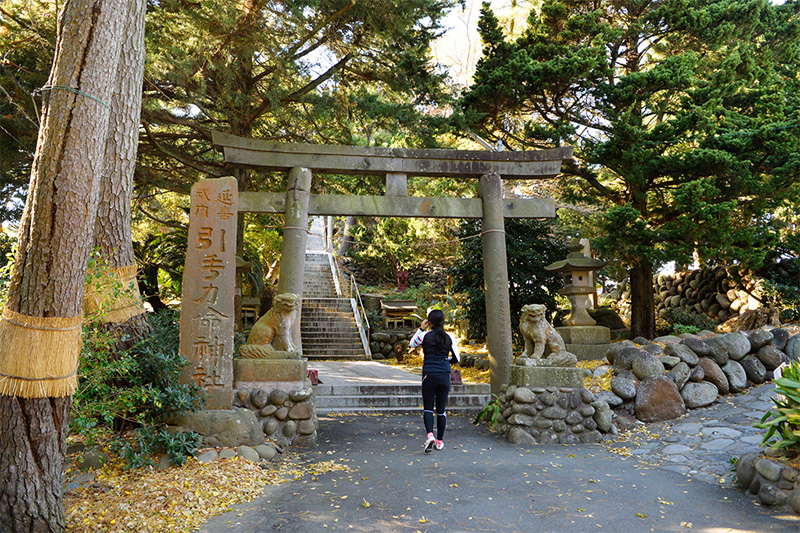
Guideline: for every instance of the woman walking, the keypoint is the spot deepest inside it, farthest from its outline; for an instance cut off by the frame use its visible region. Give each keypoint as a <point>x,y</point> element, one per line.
<point>437,347</point>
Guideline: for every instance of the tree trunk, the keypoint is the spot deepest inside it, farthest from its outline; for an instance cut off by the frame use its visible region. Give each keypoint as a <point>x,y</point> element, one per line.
<point>123,316</point>
<point>643,320</point>
<point>48,278</point>
<point>347,236</point>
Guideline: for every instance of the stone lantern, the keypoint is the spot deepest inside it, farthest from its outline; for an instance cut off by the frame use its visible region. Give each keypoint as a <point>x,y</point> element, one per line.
<point>580,333</point>
<point>578,270</point>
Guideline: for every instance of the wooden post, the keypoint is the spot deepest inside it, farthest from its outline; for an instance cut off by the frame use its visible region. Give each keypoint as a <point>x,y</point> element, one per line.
<point>495,275</point>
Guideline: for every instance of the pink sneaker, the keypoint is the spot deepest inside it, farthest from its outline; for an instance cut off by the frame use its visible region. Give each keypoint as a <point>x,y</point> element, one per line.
<point>429,443</point>
<point>439,445</point>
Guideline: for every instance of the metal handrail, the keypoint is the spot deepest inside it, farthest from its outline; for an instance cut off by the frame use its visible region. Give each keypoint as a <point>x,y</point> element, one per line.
<point>358,307</point>
<point>334,264</point>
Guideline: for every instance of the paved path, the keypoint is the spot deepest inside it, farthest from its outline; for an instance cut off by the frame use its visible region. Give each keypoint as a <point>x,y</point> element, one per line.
<point>658,477</point>
<point>702,443</point>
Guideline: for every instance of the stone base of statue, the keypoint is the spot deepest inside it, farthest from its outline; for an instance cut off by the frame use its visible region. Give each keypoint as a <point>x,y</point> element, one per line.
<point>527,372</point>
<point>586,342</point>
<point>282,370</point>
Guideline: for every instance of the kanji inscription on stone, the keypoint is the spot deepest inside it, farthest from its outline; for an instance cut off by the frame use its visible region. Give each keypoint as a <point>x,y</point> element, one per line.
<point>207,313</point>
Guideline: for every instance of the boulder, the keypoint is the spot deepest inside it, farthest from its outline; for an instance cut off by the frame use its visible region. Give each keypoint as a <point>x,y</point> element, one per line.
<point>654,349</point>
<point>792,348</point>
<point>737,378</point>
<point>683,352</point>
<point>697,345</point>
<point>718,351</point>
<point>770,356</point>
<point>755,370</point>
<point>699,394</point>
<point>624,359</point>
<point>779,337</point>
<point>646,365</point>
<point>714,374</point>
<point>737,343</point>
<point>759,338</point>
<point>609,397</point>
<point>602,416</point>
<point>222,428</point>
<point>623,387</point>
<point>616,347</point>
<point>605,316</point>
<point>680,374</point>
<point>697,374</point>
<point>658,398</point>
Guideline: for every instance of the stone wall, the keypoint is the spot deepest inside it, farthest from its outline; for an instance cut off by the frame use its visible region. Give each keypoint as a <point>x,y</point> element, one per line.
<point>719,293</point>
<point>371,275</point>
<point>775,483</point>
<point>660,380</point>
<point>551,415</point>
<point>382,343</point>
<point>288,418</point>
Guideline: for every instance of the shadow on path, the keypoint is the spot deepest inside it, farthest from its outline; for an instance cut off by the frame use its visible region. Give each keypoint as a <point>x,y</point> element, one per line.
<point>481,482</point>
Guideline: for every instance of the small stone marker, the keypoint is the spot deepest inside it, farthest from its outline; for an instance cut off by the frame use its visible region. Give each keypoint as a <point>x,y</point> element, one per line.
<point>207,312</point>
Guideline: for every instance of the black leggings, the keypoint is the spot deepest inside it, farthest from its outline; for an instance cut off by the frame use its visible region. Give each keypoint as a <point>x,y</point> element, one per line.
<point>435,388</point>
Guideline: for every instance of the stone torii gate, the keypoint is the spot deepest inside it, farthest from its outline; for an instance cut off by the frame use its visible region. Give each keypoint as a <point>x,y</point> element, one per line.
<point>396,164</point>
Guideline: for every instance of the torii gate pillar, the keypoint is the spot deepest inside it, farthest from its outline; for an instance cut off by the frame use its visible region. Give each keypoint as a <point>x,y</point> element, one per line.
<point>495,275</point>
<point>295,236</point>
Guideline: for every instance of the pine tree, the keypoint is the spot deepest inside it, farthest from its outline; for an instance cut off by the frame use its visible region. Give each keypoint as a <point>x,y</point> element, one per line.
<point>684,115</point>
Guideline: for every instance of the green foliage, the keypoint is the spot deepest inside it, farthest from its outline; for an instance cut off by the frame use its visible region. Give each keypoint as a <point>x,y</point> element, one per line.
<point>685,320</point>
<point>783,423</point>
<point>530,246</point>
<point>139,448</point>
<point>784,296</point>
<point>137,388</point>
<point>490,412</point>
<point>27,40</point>
<point>7,250</point>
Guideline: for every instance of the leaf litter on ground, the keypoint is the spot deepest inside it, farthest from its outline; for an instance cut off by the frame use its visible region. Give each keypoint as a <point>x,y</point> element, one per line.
<point>179,499</point>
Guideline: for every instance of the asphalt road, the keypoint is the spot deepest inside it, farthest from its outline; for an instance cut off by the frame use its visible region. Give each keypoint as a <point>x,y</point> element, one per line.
<point>481,482</point>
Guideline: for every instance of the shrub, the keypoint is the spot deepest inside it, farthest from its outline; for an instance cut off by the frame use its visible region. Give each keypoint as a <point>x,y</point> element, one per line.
<point>684,320</point>
<point>137,388</point>
<point>783,424</point>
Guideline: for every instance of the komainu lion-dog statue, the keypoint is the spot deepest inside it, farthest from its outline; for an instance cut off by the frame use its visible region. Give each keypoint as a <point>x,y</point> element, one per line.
<point>538,335</point>
<point>273,331</point>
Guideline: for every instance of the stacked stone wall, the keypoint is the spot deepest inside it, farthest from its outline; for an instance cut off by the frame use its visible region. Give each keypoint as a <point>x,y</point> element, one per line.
<point>774,483</point>
<point>719,293</point>
<point>288,418</point>
<point>530,415</point>
<point>659,380</point>
<point>382,343</point>
<point>372,276</point>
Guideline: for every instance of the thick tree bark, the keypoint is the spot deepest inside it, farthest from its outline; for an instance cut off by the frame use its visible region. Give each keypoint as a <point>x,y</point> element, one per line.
<point>113,226</point>
<point>643,318</point>
<point>54,242</point>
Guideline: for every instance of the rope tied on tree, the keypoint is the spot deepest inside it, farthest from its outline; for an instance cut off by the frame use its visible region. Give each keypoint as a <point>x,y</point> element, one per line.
<point>39,355</point>
<point>112,294</point>
<point>72,90</point>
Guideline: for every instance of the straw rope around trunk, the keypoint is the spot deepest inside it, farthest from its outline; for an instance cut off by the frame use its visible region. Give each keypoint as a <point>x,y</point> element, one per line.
<point>112,295</point>
<point>39,355</point>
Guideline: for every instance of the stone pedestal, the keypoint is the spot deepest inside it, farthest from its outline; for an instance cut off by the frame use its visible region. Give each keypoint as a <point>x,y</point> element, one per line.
<point>281,374</point>
<point>586,342</point>
<point>545,376</point>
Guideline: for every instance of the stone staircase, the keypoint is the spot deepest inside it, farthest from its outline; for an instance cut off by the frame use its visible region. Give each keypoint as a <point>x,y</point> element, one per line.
<point>328,330</point>
<point>394,399</point>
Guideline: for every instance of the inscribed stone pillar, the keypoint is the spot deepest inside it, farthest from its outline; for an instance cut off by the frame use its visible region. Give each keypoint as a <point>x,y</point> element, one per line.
<point>207,311</point>
<point>295,236</point>
<point>495,275</point>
